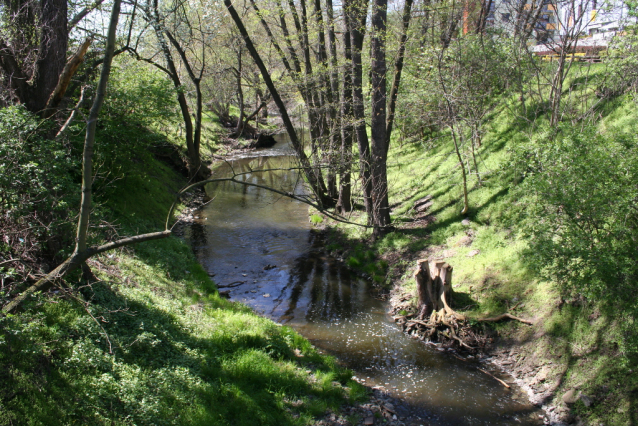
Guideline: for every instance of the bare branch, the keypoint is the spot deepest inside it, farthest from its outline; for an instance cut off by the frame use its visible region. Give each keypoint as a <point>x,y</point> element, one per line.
<point>74,114</point>
<point>82,14</point>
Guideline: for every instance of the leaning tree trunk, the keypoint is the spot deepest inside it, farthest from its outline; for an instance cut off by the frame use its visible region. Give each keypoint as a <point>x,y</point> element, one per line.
<point>89,139</point>
<point>312,174</point>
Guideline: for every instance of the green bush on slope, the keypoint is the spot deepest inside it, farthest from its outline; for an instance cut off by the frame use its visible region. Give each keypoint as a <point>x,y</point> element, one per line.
<point>149,342</point>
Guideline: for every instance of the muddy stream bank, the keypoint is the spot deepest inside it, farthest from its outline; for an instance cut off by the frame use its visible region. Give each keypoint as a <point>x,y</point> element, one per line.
<point>259,247</point>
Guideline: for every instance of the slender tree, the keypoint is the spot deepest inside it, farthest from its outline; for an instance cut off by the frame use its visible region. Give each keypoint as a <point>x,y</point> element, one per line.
<point>379,140</point>
<point>358,13</point>
<point>312,174</point>
<point>167,38</point>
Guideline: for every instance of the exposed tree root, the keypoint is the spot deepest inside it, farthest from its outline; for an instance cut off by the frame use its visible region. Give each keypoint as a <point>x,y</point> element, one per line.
<point>447,331</point>
<point>505,316</point>
<point>435,321</point>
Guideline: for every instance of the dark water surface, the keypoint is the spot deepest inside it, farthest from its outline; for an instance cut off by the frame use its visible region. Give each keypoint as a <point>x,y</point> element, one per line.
<point>245,231</point>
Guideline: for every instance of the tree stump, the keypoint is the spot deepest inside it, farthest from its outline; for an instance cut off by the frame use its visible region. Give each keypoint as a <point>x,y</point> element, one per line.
<point>434,289</point>
<point>436,322</point>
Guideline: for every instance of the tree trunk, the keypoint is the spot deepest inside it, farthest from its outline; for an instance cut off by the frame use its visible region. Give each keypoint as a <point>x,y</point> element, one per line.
<point>197,170</point>
<point>398,68</point>
<point>52,53</point>
<point>345,191</point>
<point>171,71</point>
<point>240,92</point>
<point>38,33</point>
<point>358,16</point>
<point>313,174</point>
<point>381,209</point>
<point>89,140</point>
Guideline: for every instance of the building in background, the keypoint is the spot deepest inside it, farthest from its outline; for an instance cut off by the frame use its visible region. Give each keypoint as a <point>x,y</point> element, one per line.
<point>549,21</point>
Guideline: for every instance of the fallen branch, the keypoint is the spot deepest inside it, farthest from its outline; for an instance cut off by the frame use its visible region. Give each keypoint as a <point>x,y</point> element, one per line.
<point>458,339</point>
<point>233,284</point>
<point>303,199</point>
<point>514,307</point>
<point>505,316</point>
<point>495,378</point>
<point>75,261</point>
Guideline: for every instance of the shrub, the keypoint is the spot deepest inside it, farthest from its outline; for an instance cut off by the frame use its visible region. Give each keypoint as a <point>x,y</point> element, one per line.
<point>583,223</point>
<point>39,187</point>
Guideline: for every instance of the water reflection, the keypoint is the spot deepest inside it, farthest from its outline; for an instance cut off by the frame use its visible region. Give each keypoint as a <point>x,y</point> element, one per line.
<point>260,248</point>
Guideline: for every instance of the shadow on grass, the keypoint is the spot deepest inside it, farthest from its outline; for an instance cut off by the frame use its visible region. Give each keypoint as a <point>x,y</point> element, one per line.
<point>241,371</point>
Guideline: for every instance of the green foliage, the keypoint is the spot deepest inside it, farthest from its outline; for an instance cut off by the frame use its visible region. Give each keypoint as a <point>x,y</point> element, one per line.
<point>38,187</point>
<point>159,347</point>
<point>140,95</point>
<point>624,64</point>
<point>583,221</point>
<point>462,82</point>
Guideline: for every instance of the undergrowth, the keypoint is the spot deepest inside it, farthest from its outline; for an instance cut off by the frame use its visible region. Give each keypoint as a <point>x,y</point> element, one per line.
<point>585,323</point>
<point>148,340</point>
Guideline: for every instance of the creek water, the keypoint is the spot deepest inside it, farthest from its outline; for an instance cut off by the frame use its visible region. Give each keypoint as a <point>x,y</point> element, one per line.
<point>259,246</point>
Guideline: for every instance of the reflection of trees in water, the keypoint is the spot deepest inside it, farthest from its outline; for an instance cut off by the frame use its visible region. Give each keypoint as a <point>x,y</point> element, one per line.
<point>284,180</point>
<point>195,233</point>
<point>332,291</point>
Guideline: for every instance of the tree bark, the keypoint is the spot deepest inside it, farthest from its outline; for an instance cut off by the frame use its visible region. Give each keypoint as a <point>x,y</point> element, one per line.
<point>313,174</point>
<point>42,34</point>
<point>357,9</point>
<point>89,139</point>
<point>379,141</point>
<point>52,58</point>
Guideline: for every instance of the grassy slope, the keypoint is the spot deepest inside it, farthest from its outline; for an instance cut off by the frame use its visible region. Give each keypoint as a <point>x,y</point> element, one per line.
<point>180,353</point>
<point>571,345</point>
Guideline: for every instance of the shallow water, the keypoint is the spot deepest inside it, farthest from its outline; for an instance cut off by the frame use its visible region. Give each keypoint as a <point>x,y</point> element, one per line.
<point>258,245</point>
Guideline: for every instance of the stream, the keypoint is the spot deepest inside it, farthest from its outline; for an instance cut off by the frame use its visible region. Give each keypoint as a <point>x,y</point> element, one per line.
<point>259,246</point>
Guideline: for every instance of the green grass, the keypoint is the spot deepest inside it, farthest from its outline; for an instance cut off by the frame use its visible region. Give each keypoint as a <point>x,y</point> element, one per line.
<point>579,339</point>
<point>159,346</point>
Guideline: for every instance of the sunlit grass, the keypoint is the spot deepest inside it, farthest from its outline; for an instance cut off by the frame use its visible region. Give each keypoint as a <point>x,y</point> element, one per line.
<point>180,353</point>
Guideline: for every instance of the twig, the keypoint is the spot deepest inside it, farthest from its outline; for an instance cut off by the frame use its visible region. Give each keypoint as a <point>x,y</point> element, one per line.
<point>495,378</point>
<point>233,284</point>
<point>11,260</point>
